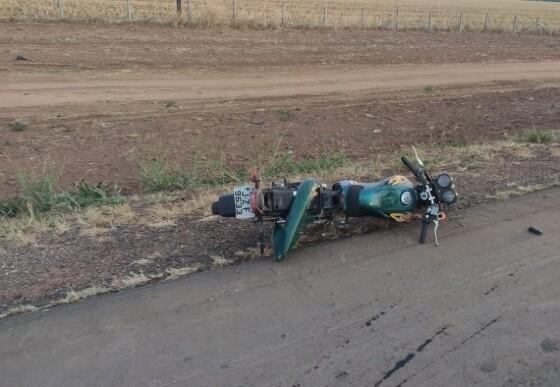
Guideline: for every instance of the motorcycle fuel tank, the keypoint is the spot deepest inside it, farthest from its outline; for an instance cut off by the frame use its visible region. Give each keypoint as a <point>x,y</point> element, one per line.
<point>389,198</point>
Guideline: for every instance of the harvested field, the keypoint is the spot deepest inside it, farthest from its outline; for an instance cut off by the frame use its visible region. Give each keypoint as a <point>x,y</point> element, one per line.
<point>472,15</point>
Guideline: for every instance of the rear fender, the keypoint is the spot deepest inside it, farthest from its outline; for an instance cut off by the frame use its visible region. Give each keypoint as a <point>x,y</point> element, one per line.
<point>285,235</point>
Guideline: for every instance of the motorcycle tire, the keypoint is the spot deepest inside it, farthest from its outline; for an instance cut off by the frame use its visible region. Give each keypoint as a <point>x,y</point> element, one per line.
<point>224,206</point>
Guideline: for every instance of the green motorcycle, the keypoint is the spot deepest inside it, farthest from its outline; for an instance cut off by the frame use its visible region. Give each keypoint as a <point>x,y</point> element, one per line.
<point>292,206</point>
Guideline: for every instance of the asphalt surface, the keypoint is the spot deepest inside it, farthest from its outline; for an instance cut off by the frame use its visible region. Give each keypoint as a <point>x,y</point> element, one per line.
<point>374,310</point>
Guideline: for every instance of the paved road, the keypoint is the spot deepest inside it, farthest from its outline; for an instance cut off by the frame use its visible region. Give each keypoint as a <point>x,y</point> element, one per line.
<point>375,310</point>
<point>34,90</point>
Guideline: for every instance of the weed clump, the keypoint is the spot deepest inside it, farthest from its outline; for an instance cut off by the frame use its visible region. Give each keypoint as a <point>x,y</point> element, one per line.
<point>18,125</point>
<point>286,115</point>
<point>40,195</point>
<point>287,165</point>
<point>160,174</point>
<point>536,136</point>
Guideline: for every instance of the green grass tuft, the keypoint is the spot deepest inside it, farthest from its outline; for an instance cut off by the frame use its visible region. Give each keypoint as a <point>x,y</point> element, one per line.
<point>429,89</point>
<point>84,195</point>
<point>39,191</point>
<point>536,136</point>
<point>286,115</point>
<point>40,195</point>
<point>159,174</point>
<point>11,207</point>
<point>18,125</point>
<point>287,165</point>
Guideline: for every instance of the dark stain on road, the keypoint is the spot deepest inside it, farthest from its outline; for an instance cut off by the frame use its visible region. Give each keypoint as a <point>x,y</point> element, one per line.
<point>398,365</point>
<point>462,342</point>
<point>371,320</point>
<point>490,290</point>
<point>403,362</point>
<point>488,366</point>
<point>341,375</point>
<point>550,345</point>
<point>429,340</point>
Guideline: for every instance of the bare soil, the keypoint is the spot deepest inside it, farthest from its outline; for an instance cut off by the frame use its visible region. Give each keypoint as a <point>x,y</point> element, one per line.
<point>77,47</point>
<point>99,98</point>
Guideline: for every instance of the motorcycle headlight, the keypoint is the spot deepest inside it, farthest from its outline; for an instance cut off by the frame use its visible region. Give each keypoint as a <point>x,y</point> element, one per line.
<point>449,197</point>
<point>444,180</point>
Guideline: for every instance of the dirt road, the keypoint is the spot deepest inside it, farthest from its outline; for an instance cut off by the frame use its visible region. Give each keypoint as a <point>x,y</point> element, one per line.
<point>143,86</point>
<point>376,310</point>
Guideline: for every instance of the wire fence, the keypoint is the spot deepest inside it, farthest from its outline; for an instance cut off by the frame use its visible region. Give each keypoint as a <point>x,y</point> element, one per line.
<point>291,14</point>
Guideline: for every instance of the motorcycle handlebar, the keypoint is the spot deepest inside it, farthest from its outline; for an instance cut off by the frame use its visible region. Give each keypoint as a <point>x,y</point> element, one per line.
<point>415,170</point>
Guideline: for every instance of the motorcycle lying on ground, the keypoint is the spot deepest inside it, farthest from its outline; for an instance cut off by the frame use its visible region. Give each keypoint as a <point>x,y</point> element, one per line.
<point>293,206</point>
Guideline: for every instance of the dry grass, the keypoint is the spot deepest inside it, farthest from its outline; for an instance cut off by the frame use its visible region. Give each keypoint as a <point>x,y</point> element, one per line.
<point>19,309</point>
<point>24,230</point>
<point>132,280</point>
<point>174,273</point>
<point>218,261</point>
<point>533,16</point>
<point>520,190</point>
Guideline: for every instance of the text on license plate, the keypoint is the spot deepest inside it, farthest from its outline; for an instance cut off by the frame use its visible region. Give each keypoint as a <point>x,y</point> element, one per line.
<point>242,196</point>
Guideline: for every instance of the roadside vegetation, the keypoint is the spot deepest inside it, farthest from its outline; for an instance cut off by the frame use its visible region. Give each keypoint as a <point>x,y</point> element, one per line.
<point>537,136</point>
<point>159,174</point>
<point>172,191</point>
<point>40,194</point>
<point>162,178</point>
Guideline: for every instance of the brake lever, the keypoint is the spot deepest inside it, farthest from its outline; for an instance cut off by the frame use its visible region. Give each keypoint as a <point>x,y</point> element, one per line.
<point>426,220</point>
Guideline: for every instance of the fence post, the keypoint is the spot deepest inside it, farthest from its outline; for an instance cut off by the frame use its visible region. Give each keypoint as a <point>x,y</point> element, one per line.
<point>233,10</point>
<point>129,9</point>
<point>61,9</point>
<point>189,12</point>
<point>461,22</point>
<point>514,26</point>
<point>397,19</point>
<point>486,23</point>
<point>325,15</point>
<point>179,8</point>
<point>429,21</point>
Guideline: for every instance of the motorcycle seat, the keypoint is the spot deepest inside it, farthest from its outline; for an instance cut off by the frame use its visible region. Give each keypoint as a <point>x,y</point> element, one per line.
<point>353,201</point>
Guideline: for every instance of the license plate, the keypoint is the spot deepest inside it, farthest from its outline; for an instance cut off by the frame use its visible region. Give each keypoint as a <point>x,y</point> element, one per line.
<point>242,196</point>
